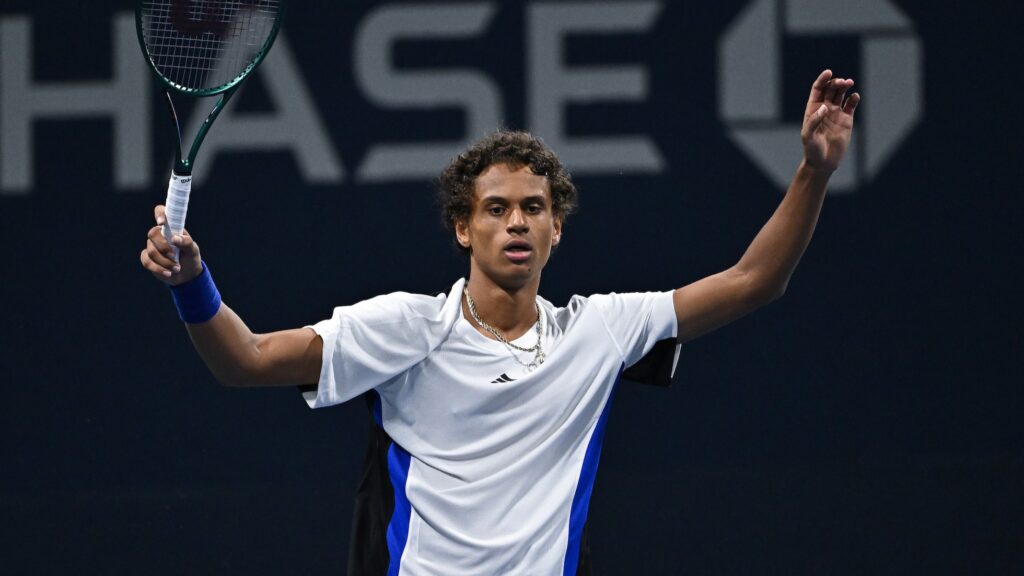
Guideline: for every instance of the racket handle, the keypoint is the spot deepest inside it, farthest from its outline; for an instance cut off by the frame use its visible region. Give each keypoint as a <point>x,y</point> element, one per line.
<point>176,207</point>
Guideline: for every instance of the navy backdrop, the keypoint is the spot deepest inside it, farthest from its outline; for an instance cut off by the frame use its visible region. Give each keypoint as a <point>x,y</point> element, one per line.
<point>868,422</point>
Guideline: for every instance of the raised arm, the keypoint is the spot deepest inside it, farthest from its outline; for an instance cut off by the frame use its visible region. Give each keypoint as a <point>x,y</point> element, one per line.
<point>235,355</point>
<point>763,272</point>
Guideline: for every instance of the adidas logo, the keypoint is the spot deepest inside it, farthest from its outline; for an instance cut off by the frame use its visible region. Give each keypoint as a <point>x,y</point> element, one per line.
<point>502,379</point>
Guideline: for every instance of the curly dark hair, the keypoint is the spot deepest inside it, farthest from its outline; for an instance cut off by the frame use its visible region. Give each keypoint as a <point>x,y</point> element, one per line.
<point>456,186</point>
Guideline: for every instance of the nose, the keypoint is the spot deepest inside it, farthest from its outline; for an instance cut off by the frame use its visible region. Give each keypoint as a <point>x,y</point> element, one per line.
<point>517,222</point>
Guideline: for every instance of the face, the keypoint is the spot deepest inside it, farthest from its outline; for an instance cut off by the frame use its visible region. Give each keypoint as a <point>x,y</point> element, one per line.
<point>511,228</point>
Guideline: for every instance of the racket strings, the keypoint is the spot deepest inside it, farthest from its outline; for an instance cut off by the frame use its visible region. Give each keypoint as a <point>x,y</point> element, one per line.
<point>206,44</point>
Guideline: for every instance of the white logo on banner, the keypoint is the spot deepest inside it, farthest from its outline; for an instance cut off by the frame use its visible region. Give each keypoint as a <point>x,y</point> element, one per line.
<point>890,78</point>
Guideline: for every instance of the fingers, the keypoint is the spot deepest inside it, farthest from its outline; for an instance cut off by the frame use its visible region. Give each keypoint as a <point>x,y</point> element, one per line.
<point>158,270</point>
<point>815,120</point>
<point>158,257</point>
<point>160,253</point>
<point>851,103</point>
<point>186,245</point>
<point>836,90</point>
<point>819,86</point>
<point>831,90</point>
<point>842,86</point>
<point>154,268</point>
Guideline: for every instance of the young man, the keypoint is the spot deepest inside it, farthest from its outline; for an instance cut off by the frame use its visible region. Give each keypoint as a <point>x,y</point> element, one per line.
<point>490,402</point>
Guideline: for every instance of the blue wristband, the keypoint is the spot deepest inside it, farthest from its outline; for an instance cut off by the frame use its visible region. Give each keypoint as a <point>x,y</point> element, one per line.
<point>198,299</point>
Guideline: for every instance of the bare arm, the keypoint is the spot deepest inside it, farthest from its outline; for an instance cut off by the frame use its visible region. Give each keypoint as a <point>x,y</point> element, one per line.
<point>235,355</point>
<point>763,272</point>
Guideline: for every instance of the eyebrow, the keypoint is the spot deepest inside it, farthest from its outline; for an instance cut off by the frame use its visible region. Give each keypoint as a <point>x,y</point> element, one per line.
<point>494,199</point>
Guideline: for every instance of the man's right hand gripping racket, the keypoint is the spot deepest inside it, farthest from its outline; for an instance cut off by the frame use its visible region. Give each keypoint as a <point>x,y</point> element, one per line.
<point>202,48</point>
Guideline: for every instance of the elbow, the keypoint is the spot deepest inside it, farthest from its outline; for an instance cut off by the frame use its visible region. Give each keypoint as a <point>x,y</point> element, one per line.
<point>240,370</point>
<point>234,377</point>
<point>764,292</point>
<point>760,286</point>
<point>775,292</point>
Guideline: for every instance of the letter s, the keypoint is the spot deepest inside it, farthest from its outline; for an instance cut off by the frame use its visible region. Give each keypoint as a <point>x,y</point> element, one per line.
<point>387,87</point>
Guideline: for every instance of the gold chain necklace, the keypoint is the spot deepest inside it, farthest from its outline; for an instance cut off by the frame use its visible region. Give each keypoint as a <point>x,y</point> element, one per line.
<point>537,349</point>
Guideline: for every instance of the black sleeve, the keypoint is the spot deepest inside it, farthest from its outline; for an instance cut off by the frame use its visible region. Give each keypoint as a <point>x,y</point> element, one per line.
<point>656,367</point>
<point>375,502</point>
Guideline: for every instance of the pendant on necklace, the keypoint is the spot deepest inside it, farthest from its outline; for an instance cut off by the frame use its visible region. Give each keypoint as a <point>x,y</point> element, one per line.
<point>538,359</point>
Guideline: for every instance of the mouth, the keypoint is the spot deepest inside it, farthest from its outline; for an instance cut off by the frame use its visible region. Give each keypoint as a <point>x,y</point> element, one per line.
<point>518,251</point>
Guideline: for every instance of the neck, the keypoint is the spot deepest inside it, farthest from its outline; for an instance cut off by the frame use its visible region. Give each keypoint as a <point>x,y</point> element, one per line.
<point>513,311</point>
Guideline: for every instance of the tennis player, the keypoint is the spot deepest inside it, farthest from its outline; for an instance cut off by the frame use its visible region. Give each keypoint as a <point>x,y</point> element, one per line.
<point>489,402</point>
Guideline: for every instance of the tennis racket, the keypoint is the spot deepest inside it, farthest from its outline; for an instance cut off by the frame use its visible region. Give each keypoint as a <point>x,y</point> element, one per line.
<point>202,48</point>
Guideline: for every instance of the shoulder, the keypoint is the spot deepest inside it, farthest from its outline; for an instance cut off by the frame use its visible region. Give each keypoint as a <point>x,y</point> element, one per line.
<point>605,303</point>
<point>406,302</point>
<point>402,308</point>
<point>614,308</point>
<point>393,307</point>
<point>578,307</point>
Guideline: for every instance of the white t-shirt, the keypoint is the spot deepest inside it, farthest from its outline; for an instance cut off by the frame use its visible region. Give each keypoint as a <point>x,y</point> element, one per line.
<point>492,464</point>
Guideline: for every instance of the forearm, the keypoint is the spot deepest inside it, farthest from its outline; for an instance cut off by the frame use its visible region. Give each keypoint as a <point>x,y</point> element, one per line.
<point>237,357</point>
<point>772,257</point>
<point>763,272</point>
<point>228,347</point>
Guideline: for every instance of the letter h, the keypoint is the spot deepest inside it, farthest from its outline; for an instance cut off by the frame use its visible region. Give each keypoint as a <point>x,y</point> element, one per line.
<point>125,98</point>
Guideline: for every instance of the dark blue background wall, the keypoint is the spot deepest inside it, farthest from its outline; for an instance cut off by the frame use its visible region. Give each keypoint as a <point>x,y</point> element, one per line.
<point>869,422</point>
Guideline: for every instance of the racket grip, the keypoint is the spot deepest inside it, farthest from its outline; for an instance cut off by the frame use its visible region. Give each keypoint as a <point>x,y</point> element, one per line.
<point>176,207</point>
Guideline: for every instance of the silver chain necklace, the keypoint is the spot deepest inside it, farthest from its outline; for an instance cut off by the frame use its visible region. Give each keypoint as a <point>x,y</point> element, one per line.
<point>537,349</point>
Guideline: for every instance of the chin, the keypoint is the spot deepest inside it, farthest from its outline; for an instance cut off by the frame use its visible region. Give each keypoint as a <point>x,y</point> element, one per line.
<point>510,279</point>
<point>511,275</point>
<point>524,273</point>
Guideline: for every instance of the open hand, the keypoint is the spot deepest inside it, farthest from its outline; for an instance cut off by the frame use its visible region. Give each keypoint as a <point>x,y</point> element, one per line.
<point>828,121</point>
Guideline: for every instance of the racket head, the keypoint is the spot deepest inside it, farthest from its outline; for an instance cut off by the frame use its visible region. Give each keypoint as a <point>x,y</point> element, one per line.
<point>206,47</point>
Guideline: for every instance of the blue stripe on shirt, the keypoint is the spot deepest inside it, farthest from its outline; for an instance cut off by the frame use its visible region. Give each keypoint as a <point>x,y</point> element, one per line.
<point>398,529</point>
<point>585,485</point>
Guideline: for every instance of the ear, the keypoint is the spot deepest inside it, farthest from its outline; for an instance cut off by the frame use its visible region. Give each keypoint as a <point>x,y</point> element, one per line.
<point>557,236</point>
<point>462,233</point>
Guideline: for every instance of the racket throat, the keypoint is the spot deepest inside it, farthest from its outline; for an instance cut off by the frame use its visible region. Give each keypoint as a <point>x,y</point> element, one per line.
<point>183,165</point>
<point>179,166</point>
<point>204,129</point>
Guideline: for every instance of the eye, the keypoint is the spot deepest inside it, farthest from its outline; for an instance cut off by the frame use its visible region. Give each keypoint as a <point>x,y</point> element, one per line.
<point>534,209</point>
<point>496,210</point>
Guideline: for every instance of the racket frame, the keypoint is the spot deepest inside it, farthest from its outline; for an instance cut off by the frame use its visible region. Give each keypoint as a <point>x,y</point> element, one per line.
<point>180,185</point>
<point>183,166</point>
